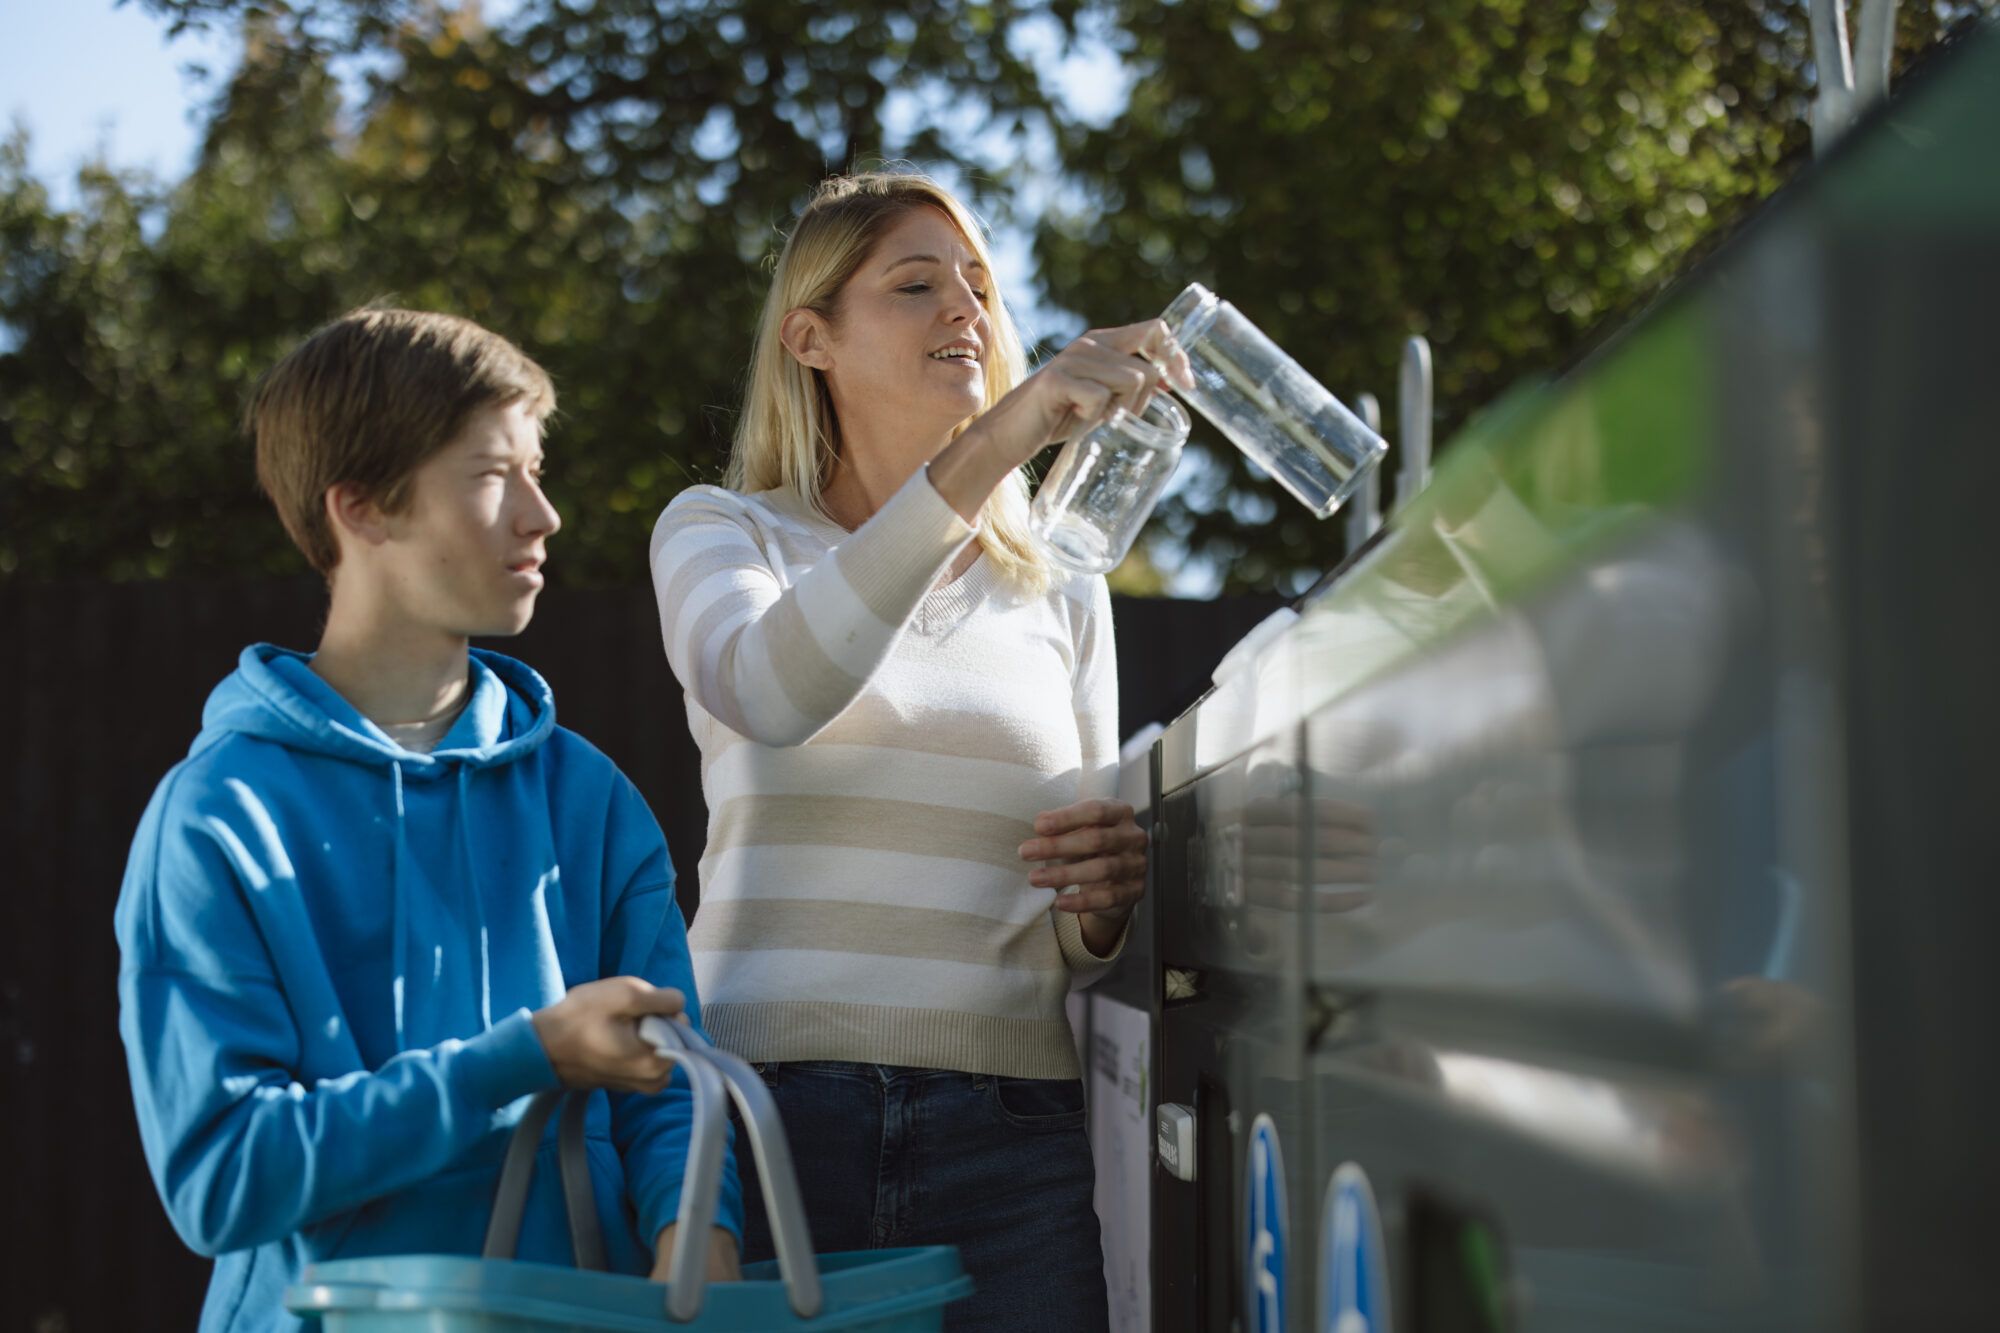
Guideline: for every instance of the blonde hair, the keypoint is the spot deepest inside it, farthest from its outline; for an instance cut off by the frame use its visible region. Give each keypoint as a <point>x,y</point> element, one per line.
<point>787,435</point>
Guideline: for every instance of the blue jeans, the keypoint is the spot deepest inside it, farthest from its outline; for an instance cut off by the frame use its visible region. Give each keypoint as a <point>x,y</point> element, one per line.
<point>999,1167</point>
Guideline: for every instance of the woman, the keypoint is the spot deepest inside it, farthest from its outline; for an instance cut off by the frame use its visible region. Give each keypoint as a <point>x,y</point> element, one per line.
<point>908,737</point>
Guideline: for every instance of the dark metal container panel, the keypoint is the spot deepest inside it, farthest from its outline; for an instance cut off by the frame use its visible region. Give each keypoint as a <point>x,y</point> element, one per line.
<point>1629,902</point>
<point>1236,1048</point>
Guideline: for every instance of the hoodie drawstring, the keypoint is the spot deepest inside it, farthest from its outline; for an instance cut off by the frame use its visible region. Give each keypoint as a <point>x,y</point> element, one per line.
<point>478,898</point>
<point>398,908</point>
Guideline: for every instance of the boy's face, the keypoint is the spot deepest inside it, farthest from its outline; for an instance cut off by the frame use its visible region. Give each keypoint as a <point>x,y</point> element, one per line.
<point>465,555</point>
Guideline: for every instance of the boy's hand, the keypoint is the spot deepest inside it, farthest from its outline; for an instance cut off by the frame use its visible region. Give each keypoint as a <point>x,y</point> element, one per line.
<point>723,1263</point>
<point>591,1035</point>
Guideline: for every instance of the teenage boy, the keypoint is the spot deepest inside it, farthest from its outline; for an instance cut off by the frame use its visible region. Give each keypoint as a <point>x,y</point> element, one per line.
<point>386,898</point>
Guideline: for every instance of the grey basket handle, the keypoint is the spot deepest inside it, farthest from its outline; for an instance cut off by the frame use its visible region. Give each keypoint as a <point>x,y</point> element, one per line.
<point>586,1237</point>
<point>510,1198</point>
<point>687,1266</point>
<point>783,1204</point>
<point>701,1186</point>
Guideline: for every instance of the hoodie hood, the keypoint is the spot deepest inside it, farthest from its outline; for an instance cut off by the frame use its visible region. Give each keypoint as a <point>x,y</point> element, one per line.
<point>443,847</point>
<point>274,695</point>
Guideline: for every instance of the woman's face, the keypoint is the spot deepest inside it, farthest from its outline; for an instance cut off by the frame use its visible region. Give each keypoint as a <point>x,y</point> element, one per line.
<point>911,330</point>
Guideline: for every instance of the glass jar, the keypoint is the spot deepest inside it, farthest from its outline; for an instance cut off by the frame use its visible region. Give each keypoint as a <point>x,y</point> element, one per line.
<point>1097,494</point>
<point>1268,406</point>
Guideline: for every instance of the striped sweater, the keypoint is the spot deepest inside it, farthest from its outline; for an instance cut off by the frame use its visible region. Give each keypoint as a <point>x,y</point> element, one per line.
<point>875,749</point>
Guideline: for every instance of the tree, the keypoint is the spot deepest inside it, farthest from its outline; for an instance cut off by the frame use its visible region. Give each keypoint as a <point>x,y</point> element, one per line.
<point>1501,176</point>
<point>602,179</point>
<point>599,181</point>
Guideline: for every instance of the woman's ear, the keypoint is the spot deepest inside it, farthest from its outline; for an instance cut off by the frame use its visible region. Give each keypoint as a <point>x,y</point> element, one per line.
<point>806,336</point>
<point>354,516</point>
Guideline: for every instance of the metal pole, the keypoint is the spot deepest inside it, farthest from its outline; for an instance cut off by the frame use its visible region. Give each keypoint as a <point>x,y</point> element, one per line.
<point>1874,44</point>
<point>1851,78</point>
<point>1833,106</point>
<point>1413,408</point>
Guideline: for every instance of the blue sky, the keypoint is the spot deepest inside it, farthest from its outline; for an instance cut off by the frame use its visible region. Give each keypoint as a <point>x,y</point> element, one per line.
<point>91,76</point>
<point>85,74</point>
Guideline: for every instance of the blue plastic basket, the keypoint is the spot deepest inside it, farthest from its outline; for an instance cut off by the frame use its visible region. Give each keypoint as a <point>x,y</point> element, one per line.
<point>882,1291</point>
<point>877,1291</point>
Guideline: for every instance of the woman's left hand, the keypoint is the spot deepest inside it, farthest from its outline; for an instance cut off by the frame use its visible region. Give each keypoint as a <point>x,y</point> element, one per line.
<point>1102,854</point>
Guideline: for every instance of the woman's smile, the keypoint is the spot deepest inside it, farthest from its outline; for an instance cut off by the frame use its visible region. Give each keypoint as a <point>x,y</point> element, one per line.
<point>960,353</point>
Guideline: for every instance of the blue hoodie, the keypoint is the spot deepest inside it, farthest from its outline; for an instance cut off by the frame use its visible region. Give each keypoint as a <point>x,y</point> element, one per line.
<point>331,947</point>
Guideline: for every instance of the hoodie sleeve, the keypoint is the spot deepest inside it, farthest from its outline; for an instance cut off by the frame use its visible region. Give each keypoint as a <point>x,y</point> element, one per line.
<point>646,937</point>
<point>243,1151</point>
<point>778,663</point>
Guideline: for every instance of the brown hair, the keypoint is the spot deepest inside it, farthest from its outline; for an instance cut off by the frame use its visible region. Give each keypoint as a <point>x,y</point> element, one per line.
<point>365,400</point>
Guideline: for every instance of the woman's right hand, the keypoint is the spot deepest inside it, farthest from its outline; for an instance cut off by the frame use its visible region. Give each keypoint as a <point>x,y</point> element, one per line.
<point>1080,385</point>
<point>1105,368</point>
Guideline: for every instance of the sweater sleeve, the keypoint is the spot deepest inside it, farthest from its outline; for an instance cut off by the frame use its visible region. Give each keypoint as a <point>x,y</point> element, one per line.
<point>243,1150</point>
<point>775,663</point>
<point>1094,697</point>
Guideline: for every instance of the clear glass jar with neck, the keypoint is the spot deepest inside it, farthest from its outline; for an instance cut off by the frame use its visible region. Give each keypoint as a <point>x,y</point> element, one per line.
<point>1096,495</point>
<point>1282,418</point>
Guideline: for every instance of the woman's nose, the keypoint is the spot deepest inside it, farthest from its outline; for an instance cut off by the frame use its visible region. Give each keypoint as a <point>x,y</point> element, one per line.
<point>964,307</point>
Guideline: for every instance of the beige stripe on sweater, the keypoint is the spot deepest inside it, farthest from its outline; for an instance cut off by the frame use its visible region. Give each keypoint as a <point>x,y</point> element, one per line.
<point>900,732</point>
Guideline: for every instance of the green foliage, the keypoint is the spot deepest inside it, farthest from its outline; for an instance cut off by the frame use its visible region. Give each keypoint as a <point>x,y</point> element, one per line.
<point>1498,175</point>
<point>599,182</point>
<point>602,179</point>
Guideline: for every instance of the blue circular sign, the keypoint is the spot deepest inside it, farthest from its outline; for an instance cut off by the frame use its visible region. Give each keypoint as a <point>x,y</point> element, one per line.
<point>1353,1272</point>
<point>1264,1231</point>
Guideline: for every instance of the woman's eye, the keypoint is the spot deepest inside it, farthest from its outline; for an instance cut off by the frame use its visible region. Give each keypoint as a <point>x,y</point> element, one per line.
<point>915,288</point>
<point>979,295</point>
